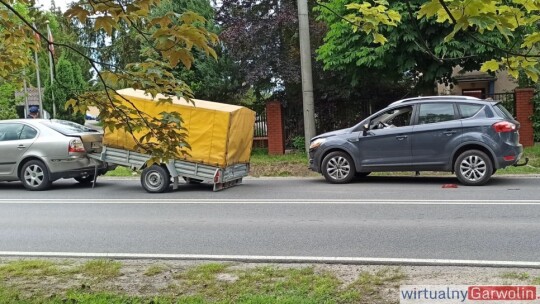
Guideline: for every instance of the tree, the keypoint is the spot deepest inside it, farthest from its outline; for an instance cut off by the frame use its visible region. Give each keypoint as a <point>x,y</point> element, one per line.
<point>68,83</point>
<point>218,80</point>
<point>170,40</point>
<point>7,101</point>
<point>261,36</point>
<point>396,44</point>
<point>463,22</point>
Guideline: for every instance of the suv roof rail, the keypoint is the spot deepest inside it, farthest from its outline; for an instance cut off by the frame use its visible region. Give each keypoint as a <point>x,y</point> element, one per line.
<point>458,97</point>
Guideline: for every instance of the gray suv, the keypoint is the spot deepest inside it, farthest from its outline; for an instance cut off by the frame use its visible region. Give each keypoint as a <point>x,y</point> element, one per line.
<point>466,135</point>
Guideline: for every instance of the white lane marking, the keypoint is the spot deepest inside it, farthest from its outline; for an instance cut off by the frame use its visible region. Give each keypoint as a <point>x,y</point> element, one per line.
<point>278,259</point>
<point>267,201</point>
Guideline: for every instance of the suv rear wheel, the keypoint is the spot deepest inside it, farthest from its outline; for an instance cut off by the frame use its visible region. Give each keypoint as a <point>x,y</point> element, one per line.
<point>338,168</point>
<point>473,168</point>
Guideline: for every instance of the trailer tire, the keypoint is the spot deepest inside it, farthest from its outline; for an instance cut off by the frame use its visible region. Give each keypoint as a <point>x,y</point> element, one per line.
<point>155,179</point>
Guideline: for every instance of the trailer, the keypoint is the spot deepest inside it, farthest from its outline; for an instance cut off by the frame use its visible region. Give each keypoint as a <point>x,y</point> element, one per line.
<point>220,136</point>
<point>156,178</point>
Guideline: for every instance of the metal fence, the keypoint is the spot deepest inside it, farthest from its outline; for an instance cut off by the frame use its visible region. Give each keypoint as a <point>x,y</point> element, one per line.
<point>336,114</point>
<point>260,129</point>
<point>329,116</point>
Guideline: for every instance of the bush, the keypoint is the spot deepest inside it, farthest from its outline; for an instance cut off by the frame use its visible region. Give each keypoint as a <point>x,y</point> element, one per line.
<point>299,142</point>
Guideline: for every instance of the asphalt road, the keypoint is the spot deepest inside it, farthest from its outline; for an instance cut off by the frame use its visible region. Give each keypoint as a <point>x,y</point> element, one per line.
<point>383,217</point>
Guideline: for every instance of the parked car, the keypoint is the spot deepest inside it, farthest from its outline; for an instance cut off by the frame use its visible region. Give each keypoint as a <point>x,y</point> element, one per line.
<point>465,135</point>
<point>40,151</point>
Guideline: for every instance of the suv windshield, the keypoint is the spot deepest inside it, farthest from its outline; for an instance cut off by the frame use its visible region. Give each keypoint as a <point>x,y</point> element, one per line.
<point>67,127</point>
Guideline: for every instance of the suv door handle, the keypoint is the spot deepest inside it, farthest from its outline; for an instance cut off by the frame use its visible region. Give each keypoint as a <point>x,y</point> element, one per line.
<point>449,133</point>
<point>20,147</point>
<point>401,137</point>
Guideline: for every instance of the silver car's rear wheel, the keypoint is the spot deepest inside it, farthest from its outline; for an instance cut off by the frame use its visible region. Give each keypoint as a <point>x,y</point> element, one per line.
<point>35,176</point>
<point>473,168</point>
<point>338,168</point>
<point>155,179</point>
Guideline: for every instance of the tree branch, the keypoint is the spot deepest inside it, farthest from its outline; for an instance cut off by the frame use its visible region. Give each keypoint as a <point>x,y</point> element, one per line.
<point>508,52</point>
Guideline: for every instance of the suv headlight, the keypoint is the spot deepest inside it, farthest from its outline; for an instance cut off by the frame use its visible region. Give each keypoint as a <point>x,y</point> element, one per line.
<point>316,143</point>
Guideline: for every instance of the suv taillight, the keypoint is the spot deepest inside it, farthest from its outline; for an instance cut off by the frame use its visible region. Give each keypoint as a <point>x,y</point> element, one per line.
<point>503,127</point>
<point>76,145</point>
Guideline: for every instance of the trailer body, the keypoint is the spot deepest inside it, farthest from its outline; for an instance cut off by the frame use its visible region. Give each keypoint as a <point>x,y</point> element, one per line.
<point>220,136</point>
<point>155,180</point>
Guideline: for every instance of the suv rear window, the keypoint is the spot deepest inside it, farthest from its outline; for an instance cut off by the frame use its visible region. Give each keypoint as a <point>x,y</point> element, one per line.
<point>469,110</point>
<point>502,111</point>
<point>67,127</point>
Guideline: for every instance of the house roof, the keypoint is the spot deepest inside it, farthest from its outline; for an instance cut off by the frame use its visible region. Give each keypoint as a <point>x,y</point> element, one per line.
<point>475,77</point>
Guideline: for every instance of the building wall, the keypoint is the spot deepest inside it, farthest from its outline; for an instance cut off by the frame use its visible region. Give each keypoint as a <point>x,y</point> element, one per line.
<point>503,83</point>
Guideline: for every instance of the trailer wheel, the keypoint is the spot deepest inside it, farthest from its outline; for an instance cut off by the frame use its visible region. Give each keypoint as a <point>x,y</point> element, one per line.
<point>155,179</point>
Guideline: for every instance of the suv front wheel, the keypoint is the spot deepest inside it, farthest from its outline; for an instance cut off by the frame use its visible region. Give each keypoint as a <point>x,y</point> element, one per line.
<point>473,168</point>
<point>338,168</point>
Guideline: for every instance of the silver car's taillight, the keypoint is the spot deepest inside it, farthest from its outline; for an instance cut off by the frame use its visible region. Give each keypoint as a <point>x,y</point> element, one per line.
<point>76,145</point>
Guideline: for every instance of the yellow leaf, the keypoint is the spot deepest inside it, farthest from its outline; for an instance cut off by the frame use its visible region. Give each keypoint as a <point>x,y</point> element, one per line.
<point>378,38</point>
<point>514,73</point>
<point>191,17</point>
<point>78,12</point>
<point>106,23</point>
<point>532,75</point>
<point>531,40</point>
<point>491,65</point>
<point>429,9</point>
<point>162,21</point>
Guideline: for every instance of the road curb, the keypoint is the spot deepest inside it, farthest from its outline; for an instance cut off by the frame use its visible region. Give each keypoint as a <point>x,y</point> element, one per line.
<point>280,259</point>
<point>137,177</point>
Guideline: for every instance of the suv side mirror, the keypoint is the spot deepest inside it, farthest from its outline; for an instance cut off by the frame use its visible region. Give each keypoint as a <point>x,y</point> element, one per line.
<point>365,128</point>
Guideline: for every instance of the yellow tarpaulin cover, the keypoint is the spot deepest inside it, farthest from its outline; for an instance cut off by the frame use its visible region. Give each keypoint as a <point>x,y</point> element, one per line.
<point>219,134</point>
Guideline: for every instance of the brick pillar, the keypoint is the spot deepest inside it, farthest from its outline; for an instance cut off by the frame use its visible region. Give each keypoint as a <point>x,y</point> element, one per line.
<point>524,111</point>
<point>274,121</point>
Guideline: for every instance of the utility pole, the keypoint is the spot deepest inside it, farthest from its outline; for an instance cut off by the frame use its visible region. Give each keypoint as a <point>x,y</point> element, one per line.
<point>307,79</point>
<point>51,65</point>
<point>38,78</point>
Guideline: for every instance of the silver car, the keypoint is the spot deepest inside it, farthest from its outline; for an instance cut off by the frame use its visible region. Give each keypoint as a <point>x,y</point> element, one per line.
<point>40,151</point>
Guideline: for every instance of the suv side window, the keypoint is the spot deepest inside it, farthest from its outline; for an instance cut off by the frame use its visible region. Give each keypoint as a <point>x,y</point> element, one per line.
<point>436,112</point>
<point>469,110</point>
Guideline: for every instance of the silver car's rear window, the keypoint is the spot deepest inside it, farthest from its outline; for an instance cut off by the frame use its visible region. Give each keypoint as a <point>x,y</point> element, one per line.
<point>67,127</point>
